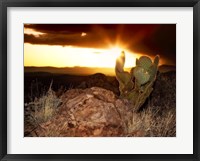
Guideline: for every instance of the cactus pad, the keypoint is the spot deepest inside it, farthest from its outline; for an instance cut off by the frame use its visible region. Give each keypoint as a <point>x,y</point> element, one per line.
<point>144,62</point>
<point>141,75</point>
<point>124,78</point>
<point>120,62</point>
<point>156,60</point>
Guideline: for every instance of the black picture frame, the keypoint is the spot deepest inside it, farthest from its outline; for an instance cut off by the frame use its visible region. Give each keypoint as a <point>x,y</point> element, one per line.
<point>4,4</point>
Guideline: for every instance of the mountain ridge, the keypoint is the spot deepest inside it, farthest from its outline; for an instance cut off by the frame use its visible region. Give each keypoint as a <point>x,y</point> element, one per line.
<point>85,70</point>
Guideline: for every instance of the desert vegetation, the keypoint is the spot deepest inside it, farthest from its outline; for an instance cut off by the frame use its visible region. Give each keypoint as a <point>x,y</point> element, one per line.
<point>139,103</point>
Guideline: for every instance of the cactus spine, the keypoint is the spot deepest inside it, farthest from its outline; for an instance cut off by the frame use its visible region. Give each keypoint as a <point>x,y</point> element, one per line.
<point>137,85</point>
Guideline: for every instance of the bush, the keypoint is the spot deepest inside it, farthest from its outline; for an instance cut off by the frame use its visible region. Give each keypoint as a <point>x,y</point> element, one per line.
<point>43,108</point>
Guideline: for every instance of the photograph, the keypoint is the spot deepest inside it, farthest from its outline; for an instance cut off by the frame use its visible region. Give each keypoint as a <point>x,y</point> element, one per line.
<point>99,80</point>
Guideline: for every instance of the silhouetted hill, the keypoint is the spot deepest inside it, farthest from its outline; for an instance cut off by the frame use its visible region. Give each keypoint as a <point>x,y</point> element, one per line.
<point>85,70</point>
<point>70,70</point>
<point>36,83</point>
<point>166,68</point>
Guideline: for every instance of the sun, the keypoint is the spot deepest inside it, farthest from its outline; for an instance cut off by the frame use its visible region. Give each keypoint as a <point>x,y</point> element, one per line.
<point>83,57</point>
<point>115,51</point>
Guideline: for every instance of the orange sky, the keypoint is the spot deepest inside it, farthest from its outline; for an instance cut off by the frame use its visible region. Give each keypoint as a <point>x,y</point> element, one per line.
<point>46,46</point>
<point>58,56</point>
<point>70,56</point>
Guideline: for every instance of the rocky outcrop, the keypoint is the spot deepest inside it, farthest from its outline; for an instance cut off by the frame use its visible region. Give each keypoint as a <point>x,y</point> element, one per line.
<point>91,112</point>
<point>163,96</point>
<point>100,80</point>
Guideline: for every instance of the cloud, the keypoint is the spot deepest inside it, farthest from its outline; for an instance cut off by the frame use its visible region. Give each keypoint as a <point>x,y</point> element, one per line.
<point>151,39</point>
<point>68,35</point>
<point>64,40</point>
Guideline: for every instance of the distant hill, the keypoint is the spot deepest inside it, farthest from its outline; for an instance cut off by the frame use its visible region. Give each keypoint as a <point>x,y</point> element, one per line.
<point>86,70</point>
<point>70,70</point>
<point>166,68</point>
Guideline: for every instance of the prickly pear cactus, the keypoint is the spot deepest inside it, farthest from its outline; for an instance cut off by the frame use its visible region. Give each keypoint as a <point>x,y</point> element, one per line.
<point>144,62</point>
<point>141,75</point>
<point>137,85</point>
<point>124,78</point>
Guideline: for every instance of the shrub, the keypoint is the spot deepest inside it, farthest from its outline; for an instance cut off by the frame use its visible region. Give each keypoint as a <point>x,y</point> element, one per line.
<point>43,108</point>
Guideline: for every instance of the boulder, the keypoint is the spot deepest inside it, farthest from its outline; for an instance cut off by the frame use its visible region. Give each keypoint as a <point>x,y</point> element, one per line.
<point>90,112</point>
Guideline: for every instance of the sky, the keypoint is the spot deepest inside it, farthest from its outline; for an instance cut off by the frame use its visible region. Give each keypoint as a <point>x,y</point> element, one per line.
<point>97,45</point>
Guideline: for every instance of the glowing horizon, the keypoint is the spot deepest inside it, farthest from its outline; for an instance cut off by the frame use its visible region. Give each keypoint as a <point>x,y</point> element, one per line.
<point>70,56</point>
<point>41,55</point>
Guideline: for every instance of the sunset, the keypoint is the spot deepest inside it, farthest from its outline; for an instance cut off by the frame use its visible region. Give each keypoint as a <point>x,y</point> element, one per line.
<point>94,45</point>
<point>68,56</point>
<point>71,56</point>
<point>99,80</point>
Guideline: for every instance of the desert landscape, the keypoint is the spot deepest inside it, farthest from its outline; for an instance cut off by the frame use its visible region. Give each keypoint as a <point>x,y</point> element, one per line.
<point>157,117</point>
<point>109,100</point>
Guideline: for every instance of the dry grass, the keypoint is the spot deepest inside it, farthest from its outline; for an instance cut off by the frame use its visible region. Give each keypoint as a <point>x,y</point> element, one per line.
<point>43,108</point>
<point>153,124</point>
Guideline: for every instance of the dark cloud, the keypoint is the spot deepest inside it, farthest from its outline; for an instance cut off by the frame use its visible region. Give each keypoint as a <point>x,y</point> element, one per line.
<point>71,35</point>
<point>65,39</point>
<point>66,28</point>
<point>150,39</point>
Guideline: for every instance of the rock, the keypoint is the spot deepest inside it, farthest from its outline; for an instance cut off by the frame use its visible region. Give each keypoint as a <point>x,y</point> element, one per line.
<point>164,93</point>
<point>100,80</point>
<point>163,96</point>
<point>90,112</point>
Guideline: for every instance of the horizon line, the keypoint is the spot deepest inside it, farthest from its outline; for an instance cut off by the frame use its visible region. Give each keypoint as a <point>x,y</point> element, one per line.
<point>83,66</point>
